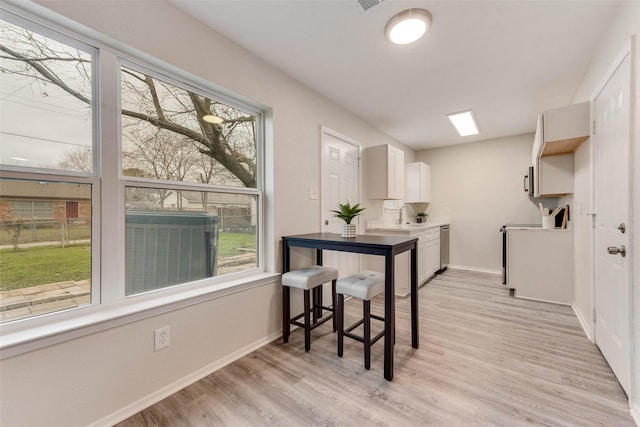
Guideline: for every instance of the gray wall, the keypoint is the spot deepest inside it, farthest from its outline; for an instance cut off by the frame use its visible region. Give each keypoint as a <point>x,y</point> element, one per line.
<point>479,186</point>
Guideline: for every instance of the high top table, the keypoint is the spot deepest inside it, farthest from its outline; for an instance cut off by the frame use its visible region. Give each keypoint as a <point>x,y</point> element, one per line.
<point>386,246</point>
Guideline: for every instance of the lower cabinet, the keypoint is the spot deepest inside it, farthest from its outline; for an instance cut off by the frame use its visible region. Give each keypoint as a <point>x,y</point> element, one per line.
<point>432,260</point>
<point>428,253</point>
<point>428,257</point>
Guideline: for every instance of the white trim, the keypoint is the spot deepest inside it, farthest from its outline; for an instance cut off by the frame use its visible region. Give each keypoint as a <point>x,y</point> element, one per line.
<point>166,391</point>
<point>634,411</point>
<point>583,322</point>
<point>479,270</point>
<point>95,319</point>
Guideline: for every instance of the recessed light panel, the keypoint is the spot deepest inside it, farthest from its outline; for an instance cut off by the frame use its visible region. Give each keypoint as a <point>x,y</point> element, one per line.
<point>464,122</point>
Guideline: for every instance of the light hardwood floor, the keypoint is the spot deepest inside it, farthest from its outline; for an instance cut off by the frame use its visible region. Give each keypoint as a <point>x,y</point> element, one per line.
<point>485,358</point>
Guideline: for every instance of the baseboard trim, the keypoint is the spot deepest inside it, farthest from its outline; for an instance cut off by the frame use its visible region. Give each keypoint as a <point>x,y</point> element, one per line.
<point>583,322</point>
<point>155,397</point>
<point>635,413</point>
<point>479,270</point>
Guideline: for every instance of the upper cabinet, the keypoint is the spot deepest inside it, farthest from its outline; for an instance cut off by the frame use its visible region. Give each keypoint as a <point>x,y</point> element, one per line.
<point>384,172</point>
<point>564,129</point>
<point>558,135</point>
<point>417,185</point>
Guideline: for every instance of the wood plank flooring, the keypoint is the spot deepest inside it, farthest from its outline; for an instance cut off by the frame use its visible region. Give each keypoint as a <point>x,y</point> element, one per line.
<point>485,358</point>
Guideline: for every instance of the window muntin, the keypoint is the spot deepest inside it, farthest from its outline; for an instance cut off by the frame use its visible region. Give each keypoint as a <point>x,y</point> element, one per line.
<point>45,264</point>
<point>46,100</point>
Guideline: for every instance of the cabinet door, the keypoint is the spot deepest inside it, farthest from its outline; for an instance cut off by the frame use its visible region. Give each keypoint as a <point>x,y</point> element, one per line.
<point>417,184</point>
<point>555,175</point>
<point>422,260</point>
<point>433,257</point>
<point>384,172</point>
<point>395,173</point>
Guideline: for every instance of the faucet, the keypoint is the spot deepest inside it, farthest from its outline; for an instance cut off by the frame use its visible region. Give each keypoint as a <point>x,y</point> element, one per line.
<point>400,214</point>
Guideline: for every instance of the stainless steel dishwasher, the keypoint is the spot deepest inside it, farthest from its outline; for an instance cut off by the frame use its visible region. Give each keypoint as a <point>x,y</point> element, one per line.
<point>444,246</point>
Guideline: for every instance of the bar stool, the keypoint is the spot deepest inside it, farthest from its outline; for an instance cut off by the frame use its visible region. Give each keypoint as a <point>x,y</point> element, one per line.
<point>307,279</point>
<point>365,286</point>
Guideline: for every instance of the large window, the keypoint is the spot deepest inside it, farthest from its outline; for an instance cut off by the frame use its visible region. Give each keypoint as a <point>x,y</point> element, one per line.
<point>187,185</point>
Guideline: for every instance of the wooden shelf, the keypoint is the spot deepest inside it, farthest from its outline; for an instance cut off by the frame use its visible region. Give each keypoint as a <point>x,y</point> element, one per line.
<point>563,146</point>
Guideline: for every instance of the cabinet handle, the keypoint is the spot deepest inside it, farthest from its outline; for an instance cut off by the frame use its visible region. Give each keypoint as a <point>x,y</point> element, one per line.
<point>524,183</point>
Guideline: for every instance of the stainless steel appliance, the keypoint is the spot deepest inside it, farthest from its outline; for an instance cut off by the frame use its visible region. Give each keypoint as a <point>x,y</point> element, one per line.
<point>444,246</point>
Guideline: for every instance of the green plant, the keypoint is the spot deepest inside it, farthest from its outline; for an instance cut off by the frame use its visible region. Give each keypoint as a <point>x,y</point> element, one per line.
<point>422,215</point>
<point>346,212</point>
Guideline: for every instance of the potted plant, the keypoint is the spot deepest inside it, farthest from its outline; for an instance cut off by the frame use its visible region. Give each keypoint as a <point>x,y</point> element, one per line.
<point>421,217</point>
<point>347,213</point>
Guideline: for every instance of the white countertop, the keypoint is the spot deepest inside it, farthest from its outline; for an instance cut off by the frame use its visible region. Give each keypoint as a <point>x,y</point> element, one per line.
<point>381,225</point>
<point>538,229</point>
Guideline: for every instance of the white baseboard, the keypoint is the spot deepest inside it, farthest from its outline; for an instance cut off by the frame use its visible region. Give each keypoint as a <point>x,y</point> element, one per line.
<point>635,413</point>
<point>183,382</point>
<point>586,327</point>
<point>479,270</point>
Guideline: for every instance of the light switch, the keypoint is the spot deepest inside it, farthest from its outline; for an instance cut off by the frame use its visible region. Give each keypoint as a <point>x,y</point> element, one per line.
<point>313,193</point>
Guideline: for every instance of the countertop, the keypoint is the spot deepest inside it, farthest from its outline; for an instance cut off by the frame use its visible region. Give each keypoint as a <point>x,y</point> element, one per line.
<point>538,229</point>
<point>378,225</point>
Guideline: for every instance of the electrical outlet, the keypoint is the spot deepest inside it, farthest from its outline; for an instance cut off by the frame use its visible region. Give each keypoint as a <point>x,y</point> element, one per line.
<point>161,338</point>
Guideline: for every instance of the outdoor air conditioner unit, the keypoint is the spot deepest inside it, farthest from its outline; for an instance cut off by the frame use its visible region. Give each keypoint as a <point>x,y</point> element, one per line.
<point>165,248</point>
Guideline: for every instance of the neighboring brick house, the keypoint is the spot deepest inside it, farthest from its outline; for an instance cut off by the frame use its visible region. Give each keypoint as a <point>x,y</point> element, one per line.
<point>44,200</point>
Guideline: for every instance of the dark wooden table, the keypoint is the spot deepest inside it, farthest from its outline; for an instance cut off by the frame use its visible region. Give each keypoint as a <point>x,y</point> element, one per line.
<point>386,246</point>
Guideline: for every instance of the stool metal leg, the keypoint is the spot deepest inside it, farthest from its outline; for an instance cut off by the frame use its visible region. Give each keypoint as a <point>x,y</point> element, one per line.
<point>366,308</point>
<point>307,320</point>
<point>339,313</point>
<point>286,313</point>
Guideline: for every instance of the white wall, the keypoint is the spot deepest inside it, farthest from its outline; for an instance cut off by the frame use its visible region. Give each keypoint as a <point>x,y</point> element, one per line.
<point>114,373</point>
<point>626,23</point>
<point>480,187</point>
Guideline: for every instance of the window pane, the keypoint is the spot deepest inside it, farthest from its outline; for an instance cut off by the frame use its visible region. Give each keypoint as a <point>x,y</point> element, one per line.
<point>45,88</point>
<point>175,237</point>
<point>45,264</point>
<point>166,135</point>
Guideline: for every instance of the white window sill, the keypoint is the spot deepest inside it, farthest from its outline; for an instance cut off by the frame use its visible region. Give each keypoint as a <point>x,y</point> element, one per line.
<point>92,319</point>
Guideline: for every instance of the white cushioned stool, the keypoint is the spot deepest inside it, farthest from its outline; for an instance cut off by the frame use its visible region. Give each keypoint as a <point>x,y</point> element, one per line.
<point>364,285</point>
<point>307,279</point>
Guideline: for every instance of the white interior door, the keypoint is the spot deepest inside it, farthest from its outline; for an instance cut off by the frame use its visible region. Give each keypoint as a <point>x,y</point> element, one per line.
<point>340,182</point>
<point>611,151</point>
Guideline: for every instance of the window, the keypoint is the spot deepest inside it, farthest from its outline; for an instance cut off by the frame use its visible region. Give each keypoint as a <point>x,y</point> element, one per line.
<point>31,209</point>
<point>182,201</point>
<point>47,145</point>
<point>186,140</point>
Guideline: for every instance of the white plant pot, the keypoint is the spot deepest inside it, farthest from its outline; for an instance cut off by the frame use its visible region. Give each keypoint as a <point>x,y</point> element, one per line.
<point>348,230</point>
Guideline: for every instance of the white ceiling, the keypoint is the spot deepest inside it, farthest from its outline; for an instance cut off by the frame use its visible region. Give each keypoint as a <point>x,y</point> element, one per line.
<point>506,60</point>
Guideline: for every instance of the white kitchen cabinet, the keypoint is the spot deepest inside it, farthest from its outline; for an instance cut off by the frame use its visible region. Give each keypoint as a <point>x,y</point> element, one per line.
<point>559,133</point>
<point>417,183</point>
<point>384,172</point>
<point>428,254</point>
<point>540,264</point>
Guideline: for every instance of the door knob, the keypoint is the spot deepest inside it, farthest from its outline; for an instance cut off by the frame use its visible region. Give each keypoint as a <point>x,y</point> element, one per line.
<point>326,222</point>
<point>615,251</point>
<point>622,228</point>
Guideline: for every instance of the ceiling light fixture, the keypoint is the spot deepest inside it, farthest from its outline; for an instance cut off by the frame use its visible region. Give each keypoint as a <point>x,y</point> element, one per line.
<point>408,26</point>
<point>465,122</point>
<point>210,118</point>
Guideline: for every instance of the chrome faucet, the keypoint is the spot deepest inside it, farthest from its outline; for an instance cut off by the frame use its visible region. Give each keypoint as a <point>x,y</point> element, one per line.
<point>400,214</point>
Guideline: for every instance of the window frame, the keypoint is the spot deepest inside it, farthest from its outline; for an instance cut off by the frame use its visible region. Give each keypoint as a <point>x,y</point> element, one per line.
<point>109,306</point>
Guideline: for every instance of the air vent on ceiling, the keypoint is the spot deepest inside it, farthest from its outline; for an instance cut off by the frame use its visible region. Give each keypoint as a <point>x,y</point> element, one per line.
<point>368,4</point>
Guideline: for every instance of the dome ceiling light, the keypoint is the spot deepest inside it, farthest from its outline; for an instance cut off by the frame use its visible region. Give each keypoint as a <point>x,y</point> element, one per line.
<point>210,118</point>
<point>408,26</point>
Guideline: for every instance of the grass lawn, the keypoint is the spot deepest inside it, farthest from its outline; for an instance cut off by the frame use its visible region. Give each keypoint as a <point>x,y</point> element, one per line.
<point>50,264</point>
<point>42,265</point>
